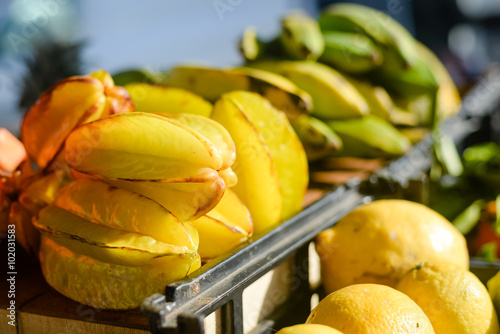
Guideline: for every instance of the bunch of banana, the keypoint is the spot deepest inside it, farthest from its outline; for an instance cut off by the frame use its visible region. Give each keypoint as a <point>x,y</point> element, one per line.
<point>211,84</point>
<point>396,78</point>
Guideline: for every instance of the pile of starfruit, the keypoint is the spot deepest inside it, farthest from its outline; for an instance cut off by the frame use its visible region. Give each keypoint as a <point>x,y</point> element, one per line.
<point>119,198</point>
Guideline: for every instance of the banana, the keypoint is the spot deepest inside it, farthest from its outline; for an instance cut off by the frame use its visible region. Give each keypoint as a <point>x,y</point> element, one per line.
<point>270,159</point>
<point>138,76</point>
<point>301,37</point>
<point>379,101</point>
<point>350,52</point>
<point>396,42</point>
<point>370,137</point>
<point>249,45</point>
<point>211,83</point>
<point>448,97</point>
<point>414,81</point>
<point>317,138</point>
<point>105,285</point>
<point>333,96</point>
<point>224,227</point>
<point>142,146</point>
<point>158,99</point>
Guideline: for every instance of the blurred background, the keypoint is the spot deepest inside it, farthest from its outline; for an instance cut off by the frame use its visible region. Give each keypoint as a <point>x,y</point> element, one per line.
<point>42,41</point>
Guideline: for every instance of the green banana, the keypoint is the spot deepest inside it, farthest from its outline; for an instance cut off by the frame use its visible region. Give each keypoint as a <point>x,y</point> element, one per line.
<point>317,138</point>
<point>379,101</point>
<point>211,83</point>
<point>369,137</point>
<point>333,96</point>
<point>350,52</point>
<point>301,37</point>
<point>137,75</point>
<point>397,43</point>
<point>414,81</point>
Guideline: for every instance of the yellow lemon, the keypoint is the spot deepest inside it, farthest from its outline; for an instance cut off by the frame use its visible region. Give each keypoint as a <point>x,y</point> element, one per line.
<point>370,309</point>
<point>454,300</point>
<point>308,329</point>
<point>380,241</point>
<point>494,290</point>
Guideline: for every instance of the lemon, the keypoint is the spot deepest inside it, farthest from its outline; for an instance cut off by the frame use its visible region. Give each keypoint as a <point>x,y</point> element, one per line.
<point>454,300</point>
<point>370,309</point>
<point>380,241</point>
<point>494,290</point>
<point>308,329</point>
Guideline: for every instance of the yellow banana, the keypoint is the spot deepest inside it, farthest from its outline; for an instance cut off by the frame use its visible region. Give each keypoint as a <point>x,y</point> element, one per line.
<point>159,99</point>
<point>333,96</point>
<point>105,285</point>
<point>211,83</point>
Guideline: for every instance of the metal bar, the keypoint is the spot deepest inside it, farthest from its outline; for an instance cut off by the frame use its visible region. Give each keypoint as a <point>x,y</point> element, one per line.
<point>214,284</point>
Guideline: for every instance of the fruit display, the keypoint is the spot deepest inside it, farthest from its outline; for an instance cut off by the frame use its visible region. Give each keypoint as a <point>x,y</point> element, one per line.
<point>151,192</point>
<point>144,183</point>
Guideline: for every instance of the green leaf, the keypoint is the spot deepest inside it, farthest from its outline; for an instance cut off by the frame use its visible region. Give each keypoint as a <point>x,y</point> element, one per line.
<point>466,220</point>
